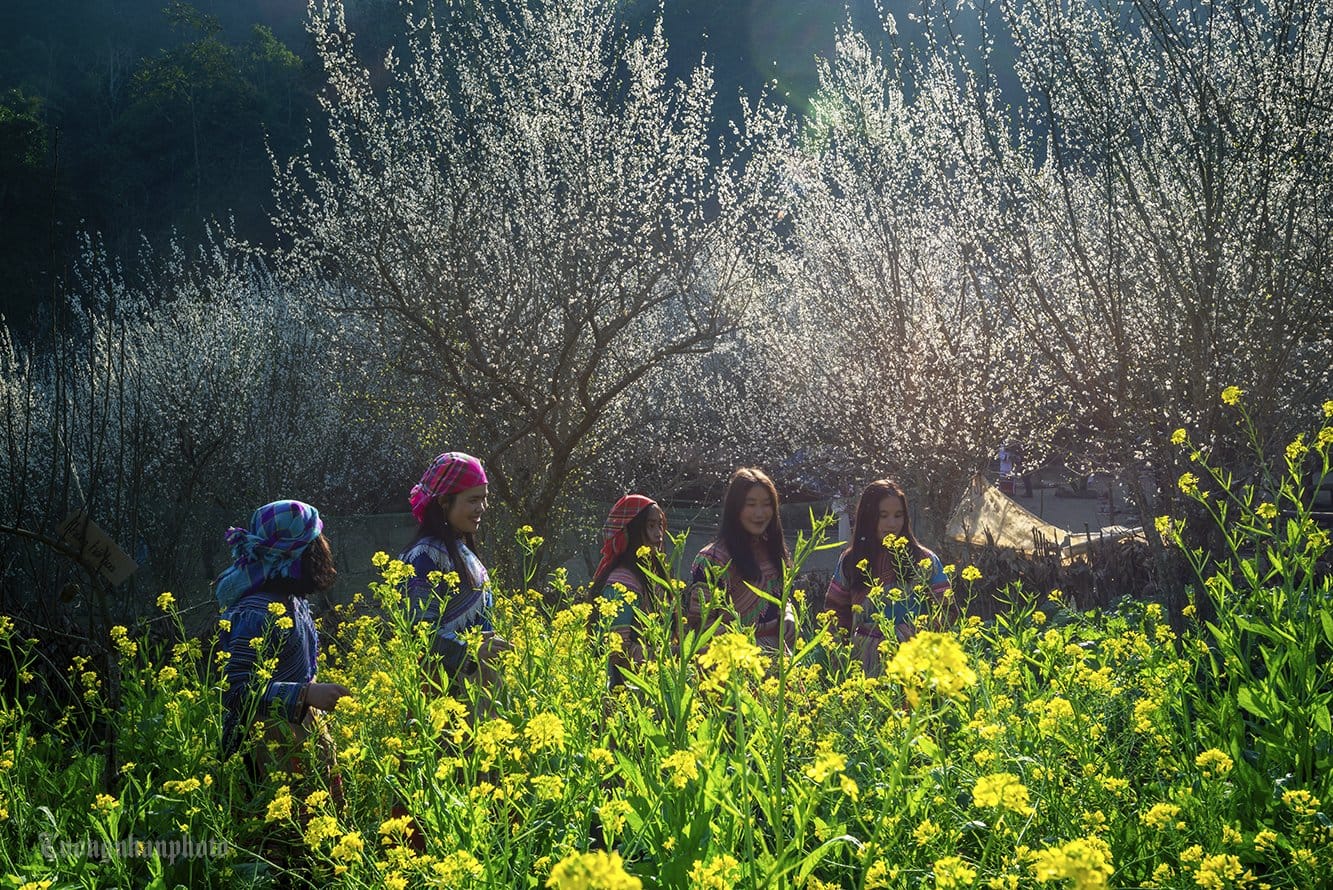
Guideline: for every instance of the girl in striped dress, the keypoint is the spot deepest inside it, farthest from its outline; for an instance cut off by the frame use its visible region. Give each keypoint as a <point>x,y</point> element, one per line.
<point>749,552</point>
<point>900,573</point>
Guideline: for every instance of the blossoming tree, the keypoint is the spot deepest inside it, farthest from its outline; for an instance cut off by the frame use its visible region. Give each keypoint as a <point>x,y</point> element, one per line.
<point>536,217</point>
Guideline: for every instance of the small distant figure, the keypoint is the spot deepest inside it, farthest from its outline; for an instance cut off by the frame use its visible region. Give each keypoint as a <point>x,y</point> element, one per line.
<point>1012,470</point>
<point>1020,470</point>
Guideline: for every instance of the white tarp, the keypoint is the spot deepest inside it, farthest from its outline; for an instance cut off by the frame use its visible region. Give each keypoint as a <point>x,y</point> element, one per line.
<point>986,515</point>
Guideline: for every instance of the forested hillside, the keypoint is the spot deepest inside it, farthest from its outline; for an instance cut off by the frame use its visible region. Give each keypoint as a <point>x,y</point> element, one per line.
<point>133,119</point>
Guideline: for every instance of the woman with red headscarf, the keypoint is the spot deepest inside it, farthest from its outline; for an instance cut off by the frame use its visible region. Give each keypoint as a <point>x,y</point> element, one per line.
<point>635,522</point>
<point>448,504</point>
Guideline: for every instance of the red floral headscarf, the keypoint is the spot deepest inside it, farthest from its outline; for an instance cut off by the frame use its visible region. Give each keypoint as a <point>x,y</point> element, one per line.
<point>614,539</point>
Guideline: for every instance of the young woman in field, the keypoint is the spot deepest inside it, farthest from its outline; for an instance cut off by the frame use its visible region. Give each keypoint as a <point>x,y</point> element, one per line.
<point>907,567</point>
<point>635,522</point>
<point>749,550</point>
<point>278,561</point>
<point>448,504</point>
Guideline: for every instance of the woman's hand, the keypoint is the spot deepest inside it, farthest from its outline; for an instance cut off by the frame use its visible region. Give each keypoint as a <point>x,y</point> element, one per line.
<point>324,696</point>
<point>492,645</point>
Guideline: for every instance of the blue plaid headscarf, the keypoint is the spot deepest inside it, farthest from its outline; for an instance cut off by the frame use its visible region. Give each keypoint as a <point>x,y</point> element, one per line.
<point>271,548</point>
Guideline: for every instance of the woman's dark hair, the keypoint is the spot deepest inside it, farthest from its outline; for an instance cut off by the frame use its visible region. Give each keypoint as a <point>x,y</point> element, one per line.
<point>636,536</point>
<point>866,544</point>
<point>435,524</point>
<point>734,536</point>
<point>318,572</point>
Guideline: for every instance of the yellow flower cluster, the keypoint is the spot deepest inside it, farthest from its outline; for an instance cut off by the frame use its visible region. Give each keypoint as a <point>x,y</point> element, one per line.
<point>681,767</point>
<point>121,640</point>
<point>1084,862</point>
<point>931,661</point>
<point>1214,763</point>
<point>1163,816</point>
<point>180,786</point>
<point>730,653</point>
<point>1002,791</point>
<point>827,762</point>
<point>545,732</point>
<point>719,873</point>
<point>1301,802</point>
<point>281,805</point>
<point>1219,872</point>
<point>952,872</point>
<point>598,870</point>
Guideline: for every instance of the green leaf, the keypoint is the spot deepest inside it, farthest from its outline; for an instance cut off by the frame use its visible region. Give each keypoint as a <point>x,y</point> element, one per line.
<point>1245,698</point>
<point>1321,719</point>
<point>817,855</point>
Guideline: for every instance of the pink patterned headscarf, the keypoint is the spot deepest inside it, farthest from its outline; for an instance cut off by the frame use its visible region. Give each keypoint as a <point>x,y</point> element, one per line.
<point>450,472</point>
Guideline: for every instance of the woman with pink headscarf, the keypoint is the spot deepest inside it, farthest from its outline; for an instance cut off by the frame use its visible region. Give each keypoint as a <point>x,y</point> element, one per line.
<point>448,504</point>
<point>635,522</point>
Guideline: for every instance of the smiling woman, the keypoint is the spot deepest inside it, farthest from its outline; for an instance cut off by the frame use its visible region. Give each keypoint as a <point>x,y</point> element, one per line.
<point>748,554</point>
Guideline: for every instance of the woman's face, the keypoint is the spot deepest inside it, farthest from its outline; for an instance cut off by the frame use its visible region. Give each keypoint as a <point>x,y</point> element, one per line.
<point>757,512</point>
<point>654,528</point>
<point>465,511</point>
<point>892,517</point>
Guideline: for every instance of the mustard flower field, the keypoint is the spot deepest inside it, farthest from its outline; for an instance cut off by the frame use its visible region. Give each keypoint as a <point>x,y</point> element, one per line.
<point>1047,748</point>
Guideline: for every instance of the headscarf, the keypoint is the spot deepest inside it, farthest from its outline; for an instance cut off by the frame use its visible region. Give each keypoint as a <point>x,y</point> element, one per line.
<point>270,548</point>
<point>614,539</point>
<point>451,472</point>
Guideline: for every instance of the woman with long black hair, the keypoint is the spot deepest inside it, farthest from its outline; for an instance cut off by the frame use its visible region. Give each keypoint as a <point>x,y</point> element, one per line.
<point>883,555</point>
<point>749,552</point>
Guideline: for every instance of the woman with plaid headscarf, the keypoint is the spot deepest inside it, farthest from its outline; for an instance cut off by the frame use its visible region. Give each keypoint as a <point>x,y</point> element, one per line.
<point>278,561</point>
<point>448,504</point>
<point>631,542</point>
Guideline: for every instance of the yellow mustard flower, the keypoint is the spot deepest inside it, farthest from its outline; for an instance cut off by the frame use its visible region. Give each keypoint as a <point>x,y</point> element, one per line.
<point>597,870</point>
<point>931,661</point>
<point>1218,872</point>
<point>1162,816</point>
<point>1214,763</point>
<point>721,872</point>
<point>1085,862</point>
<point>1188,483</point>
<point>681,767</point>
<point>281,805</point>
<point>545,731</point>
<point>952,872</point>
<point>1001,791</point>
